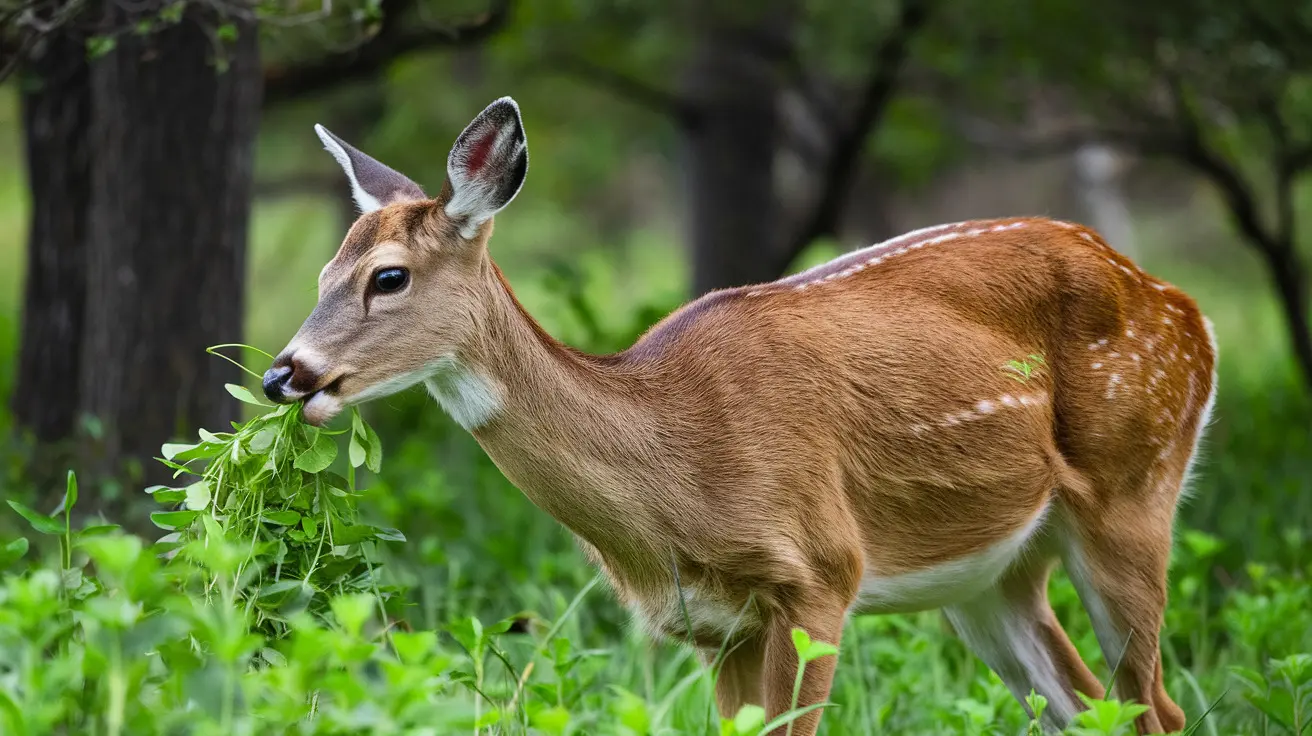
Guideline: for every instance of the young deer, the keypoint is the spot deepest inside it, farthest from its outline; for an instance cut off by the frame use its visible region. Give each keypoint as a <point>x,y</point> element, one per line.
<point>932,422</point>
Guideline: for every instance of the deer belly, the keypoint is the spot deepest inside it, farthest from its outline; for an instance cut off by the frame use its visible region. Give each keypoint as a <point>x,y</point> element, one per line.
<point>710,620</point>
<point>946,583</point>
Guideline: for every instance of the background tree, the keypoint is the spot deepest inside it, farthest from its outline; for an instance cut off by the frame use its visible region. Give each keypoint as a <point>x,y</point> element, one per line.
<point>140,130</point>
<point>1223,89</point>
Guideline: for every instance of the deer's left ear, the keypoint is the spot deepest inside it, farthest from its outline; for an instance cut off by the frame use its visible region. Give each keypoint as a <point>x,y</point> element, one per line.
<point>486,166</point>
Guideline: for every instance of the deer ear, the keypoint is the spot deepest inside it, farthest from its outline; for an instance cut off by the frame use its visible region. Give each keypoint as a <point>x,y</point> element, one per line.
<point>486,166</point>
<point>373,184</point>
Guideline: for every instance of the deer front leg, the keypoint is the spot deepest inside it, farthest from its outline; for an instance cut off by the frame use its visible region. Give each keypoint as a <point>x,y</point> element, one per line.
<point>822,619</point>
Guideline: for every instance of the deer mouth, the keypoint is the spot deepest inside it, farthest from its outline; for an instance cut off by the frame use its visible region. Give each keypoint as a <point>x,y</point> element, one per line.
<point>322,405</point>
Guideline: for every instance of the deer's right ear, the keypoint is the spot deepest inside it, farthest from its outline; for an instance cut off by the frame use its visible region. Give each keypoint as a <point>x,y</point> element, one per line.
<point>373,185</point>
<point>487,166</point>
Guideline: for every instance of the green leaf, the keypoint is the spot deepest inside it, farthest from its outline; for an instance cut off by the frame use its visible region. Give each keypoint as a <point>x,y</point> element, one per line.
<point>262,440</point>
<point>352,534</point>
<point>40,522</point>
<point>70,495</point>
<point>171,450</point>
<point>551,720</point>
<point>171,520</point>
<point>352,610</point>
<point>414,647</point>
<point>273,657</point>
<point>801,642</point>
<point>13,552</point>
<point>318,456</point>
<point>166,495</point>
<point>97,530</point>
<point>749,719</point>
<point>226,32</point>
<point>374,446</point>
<point>198,495</point>
<point>283,518</point>
<point>390,535</point>
<point>357,452</point>
<point>243,394</point>
<point>273,590</point>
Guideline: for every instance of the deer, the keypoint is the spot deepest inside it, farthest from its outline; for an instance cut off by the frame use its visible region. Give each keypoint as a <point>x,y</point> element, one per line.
<point>933,422</point>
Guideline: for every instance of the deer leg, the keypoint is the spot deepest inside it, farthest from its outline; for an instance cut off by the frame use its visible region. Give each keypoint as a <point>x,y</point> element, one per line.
<point>1117,559</point>
<point>1012,628</point>
<point>822,618</point>
<point>738,681</point>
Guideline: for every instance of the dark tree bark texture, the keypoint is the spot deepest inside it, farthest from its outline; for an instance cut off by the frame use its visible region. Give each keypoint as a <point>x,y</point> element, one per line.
<point>171,188</point>
<point>56,102</point>
<point>729,153</point>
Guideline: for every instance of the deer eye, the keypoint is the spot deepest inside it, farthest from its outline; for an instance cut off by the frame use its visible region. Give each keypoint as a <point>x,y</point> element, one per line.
<point>391,279</point>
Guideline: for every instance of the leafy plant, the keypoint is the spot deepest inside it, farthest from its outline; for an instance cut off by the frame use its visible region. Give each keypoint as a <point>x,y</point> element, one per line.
<point>1023,370</point>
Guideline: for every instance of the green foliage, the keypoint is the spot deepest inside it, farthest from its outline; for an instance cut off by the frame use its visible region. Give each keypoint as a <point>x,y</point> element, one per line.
<point>1023,370</point>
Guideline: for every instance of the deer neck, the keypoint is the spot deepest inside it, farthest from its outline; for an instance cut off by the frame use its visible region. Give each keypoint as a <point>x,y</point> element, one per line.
<point>564,427</point>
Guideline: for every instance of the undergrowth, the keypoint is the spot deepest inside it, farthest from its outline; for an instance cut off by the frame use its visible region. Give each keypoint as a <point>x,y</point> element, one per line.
<point>264,608</point>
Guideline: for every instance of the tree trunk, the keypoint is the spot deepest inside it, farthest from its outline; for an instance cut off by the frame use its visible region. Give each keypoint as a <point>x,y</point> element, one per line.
<point>734,85</point>
<point>171,190</point>
<point>56,102</point>
<point>1291,280</point>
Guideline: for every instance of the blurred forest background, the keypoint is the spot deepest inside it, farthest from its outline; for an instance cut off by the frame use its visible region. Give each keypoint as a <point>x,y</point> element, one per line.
<point>161,191</point>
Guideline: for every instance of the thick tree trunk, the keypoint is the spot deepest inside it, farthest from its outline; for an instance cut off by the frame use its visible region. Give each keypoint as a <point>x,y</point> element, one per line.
<point>171,183</point>
<point>56,101</point>
<point>733,83</point>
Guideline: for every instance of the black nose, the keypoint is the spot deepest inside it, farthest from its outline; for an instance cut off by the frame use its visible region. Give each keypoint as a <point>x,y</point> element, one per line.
<point>275,381</point>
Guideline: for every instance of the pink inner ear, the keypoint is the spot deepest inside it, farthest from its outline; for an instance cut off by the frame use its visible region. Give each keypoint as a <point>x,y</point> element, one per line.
<point>479,151</point>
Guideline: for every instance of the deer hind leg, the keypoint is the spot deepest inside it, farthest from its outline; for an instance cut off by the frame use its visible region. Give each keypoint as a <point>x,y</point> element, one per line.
<point>738,681</point>
<point>1012,628</point>
<point>1118,565</point>
<point>1116,547</point>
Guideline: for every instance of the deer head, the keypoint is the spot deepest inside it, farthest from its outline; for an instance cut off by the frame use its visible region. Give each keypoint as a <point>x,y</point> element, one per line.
<point>400,297</point>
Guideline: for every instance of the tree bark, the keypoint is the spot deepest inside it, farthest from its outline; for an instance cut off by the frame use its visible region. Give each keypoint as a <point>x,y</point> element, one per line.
<point>56,110</point>
<point>734,85</point>
<point>1290,276</point>
<point>171,188</point>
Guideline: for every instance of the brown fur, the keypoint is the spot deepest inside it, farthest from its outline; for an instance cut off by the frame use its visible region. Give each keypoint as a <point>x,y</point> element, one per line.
<point>782,443</point>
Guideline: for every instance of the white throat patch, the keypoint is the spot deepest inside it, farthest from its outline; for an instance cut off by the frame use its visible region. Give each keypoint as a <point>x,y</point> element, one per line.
<point>471,398</point>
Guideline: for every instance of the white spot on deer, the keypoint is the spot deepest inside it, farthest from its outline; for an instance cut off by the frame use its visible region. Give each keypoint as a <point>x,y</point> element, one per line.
<point>1096,366</point>
<point>1114,355</point>
<point>1160,286</point>
<point>1167,321</point>
<point>1087,237</point>
<point>1134,357</point>
<point>1112,383</point>
<point>1129,334</point>
<point>919,429</point>
<point>1188,357</point>
<point>1009,401</point>
<point>1064,225</point>
<point>985,407</point>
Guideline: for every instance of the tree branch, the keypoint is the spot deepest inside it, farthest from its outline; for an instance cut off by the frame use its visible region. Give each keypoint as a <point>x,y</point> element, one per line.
<point>395,38</point>
<point>844,157</point>
<point>661,101</point>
